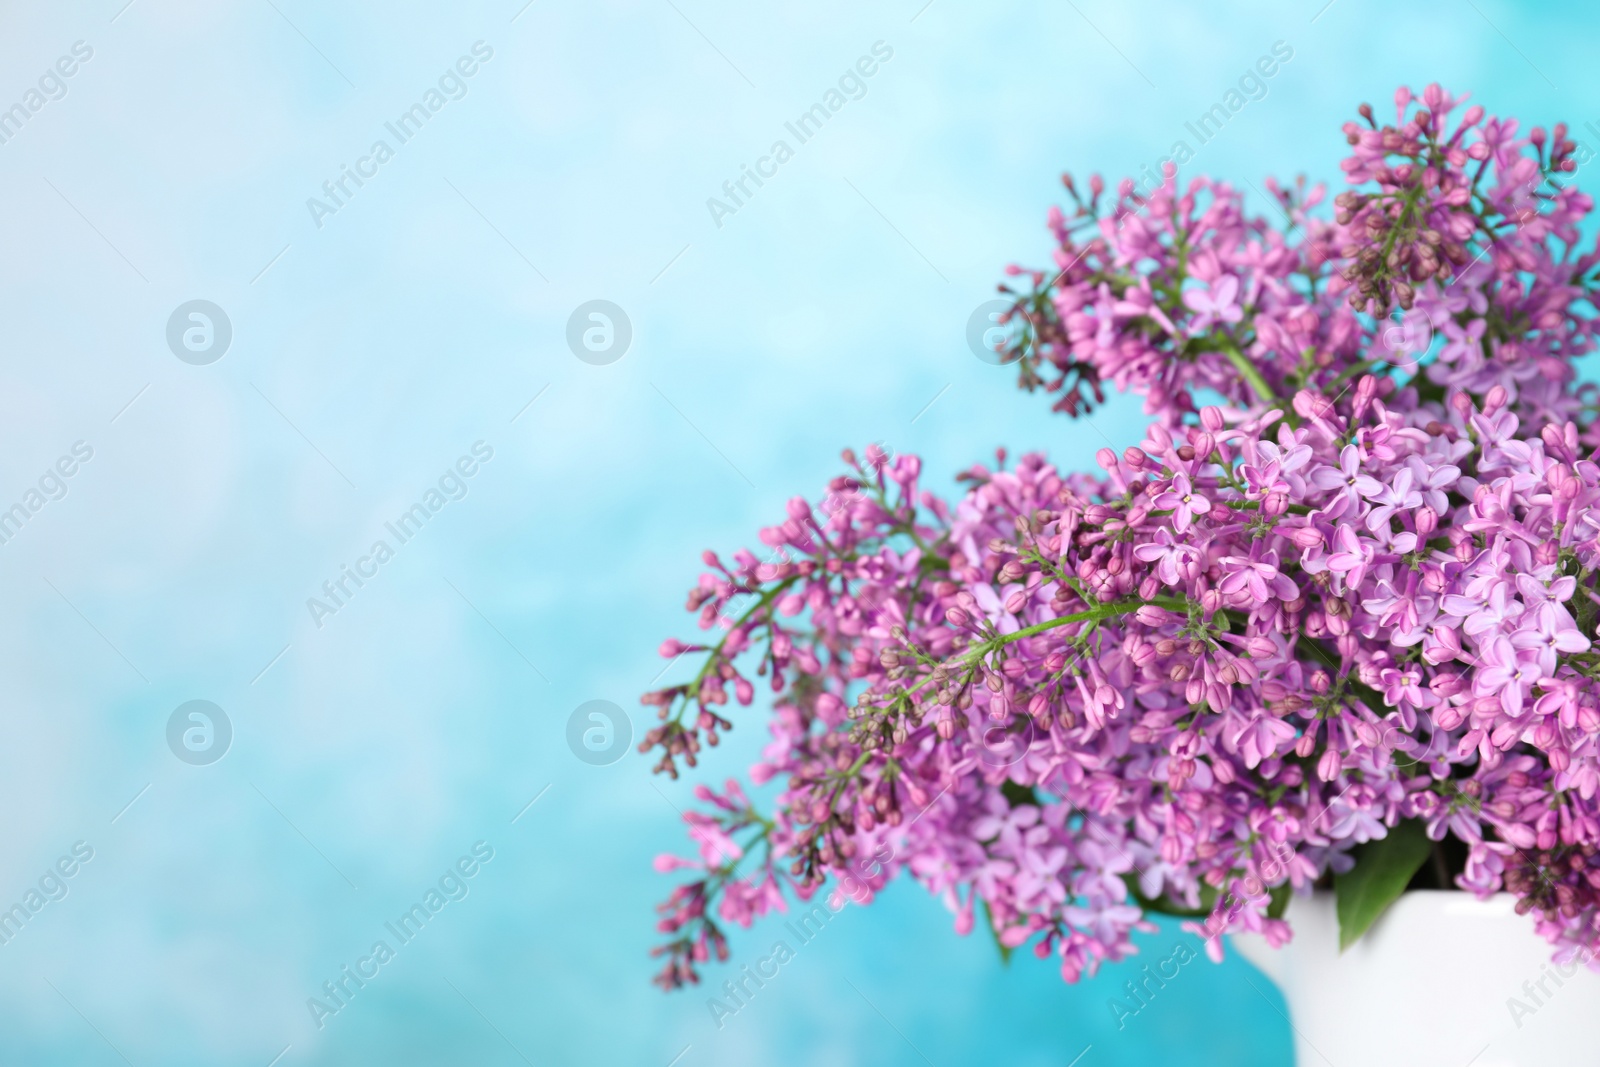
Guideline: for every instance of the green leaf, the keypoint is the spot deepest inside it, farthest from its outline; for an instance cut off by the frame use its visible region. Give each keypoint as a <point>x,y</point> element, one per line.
<point>1017,795</point>
<point>1005,953</point>
<point>1383,869</point>
<point>1280,900</point>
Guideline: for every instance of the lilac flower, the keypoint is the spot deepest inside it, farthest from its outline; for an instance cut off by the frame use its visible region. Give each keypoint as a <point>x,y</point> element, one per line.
<point>1485,616</point>
<point>1352,815</point>
<point>1392,581</point>
<point>1256,579</point>
<point>1184,502</point>
<point>1349,479</point>
<point>1403,344</point>
<point>1508,672</point>
<point>993,605</point>
<point>1174,560</point>
<point>1433,481</point>
<point>1553,633</point>
<point>1352,556</point>
<point>1397,495</point>
<point>1286,459</point>
<point>1257,738</point>
<point>1552,595</point>
<point>1217,303</point>
<point>1404,688</point>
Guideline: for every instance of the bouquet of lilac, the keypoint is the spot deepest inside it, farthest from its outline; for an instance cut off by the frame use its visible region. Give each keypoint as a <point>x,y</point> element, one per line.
<point>1330,624</point>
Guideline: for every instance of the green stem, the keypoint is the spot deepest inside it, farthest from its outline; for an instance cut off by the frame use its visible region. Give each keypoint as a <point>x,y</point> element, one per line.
<point>1250,372</point>
<point>1104,611</point>
<point>715,653</point>
<point>1363,367</point>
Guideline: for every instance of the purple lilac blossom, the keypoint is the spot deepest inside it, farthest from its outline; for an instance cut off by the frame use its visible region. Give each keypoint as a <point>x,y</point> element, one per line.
<point>1352,591</point>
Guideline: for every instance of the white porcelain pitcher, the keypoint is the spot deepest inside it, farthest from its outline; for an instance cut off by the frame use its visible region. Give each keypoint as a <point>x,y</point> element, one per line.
<point>1442,979</point>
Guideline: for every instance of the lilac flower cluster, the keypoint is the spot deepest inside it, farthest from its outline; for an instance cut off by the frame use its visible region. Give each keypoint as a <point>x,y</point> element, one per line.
<point>1347,580</point>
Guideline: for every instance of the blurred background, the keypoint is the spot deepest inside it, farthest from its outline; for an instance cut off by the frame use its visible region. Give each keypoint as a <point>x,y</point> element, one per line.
<point>351,352</point>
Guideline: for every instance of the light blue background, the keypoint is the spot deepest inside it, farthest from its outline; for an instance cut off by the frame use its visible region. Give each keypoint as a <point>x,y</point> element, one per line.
<point>411,725</point>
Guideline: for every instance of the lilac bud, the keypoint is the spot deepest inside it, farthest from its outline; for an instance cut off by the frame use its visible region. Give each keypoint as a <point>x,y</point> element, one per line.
<point>1309,405</point>
<point>1306,536</point>
<point>1553,440</point>
<point>1366,389</point>
<point>1260,647</point>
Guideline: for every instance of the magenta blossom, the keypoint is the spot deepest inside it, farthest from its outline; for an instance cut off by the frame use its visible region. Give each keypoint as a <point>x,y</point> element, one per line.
<point>1331,596</point>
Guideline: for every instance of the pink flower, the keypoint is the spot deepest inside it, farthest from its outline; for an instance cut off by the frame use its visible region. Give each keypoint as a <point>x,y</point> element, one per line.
<point>1348,479</point>
<point>1175,562</point>
<point>1484,616</point>
<point>1257,580</point>
<point>1433,481</point>
<point>1183,501</point>
<point>1552,633</point>
<point>1061,679</point>
<point>1508,672</point>
<point>1398,495</point>
<point>1351,557</point>
<point>1258,738</point>
<point>1217,303</point>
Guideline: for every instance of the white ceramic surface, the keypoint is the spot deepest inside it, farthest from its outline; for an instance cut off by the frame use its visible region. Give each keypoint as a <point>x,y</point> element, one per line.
<point>1441,980</point>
